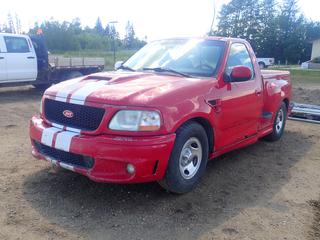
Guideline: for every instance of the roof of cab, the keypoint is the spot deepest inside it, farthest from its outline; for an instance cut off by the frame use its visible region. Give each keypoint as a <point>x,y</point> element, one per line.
<point>217,38</point>
<point>12,34</point>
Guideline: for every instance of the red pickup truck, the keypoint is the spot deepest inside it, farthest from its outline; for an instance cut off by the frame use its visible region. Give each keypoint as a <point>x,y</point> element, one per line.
<point>165,112</point>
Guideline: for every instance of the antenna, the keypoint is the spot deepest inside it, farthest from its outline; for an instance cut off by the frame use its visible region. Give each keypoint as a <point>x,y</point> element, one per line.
<point>214,17</point>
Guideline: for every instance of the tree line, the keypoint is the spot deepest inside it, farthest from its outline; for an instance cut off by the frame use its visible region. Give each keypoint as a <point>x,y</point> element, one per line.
<point>274,29</point>
<point>71,36</point>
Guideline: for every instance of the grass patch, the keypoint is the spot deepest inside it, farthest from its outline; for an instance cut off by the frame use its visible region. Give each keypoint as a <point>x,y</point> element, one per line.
<point>301,77</point>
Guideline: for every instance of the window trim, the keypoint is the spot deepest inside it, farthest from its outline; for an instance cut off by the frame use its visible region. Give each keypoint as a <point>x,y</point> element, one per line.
<point>19,37</point>
<point>228,55</point>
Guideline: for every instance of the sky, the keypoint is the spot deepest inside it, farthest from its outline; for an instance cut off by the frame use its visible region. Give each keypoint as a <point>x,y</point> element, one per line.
<point>155,19</point>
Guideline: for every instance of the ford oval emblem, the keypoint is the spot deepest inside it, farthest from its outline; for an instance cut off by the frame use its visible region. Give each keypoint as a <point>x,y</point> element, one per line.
<point>68,113</point>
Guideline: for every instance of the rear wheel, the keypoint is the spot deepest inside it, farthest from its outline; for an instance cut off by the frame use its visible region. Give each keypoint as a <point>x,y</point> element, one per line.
<point>42,87</point>
<point>188,159</point>
<point>73,74</point>
<point>278,124</point>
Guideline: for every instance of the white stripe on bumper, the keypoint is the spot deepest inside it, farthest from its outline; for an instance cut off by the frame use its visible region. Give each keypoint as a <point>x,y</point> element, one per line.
<point>47,135</point>
<point>63,140</point>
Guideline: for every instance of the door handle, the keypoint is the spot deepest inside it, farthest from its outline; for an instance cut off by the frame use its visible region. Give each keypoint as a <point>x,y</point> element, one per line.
<point>30,57</point>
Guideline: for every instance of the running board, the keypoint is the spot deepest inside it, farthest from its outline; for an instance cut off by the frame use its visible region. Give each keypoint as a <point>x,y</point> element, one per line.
<point>306,113</point>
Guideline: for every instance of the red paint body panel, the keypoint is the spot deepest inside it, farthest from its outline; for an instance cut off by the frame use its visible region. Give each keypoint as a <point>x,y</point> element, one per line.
<point>234,110</point>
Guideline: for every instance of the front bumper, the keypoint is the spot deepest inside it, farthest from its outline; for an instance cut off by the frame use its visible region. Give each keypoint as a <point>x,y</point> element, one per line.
<point>149,154</point>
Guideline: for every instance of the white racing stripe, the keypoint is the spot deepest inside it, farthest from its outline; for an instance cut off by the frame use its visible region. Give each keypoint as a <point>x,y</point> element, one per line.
<point>66,166</point>
<point>63,140</point>
<point>62,94</point>
<point>47,135</point>
<point>79,96</point>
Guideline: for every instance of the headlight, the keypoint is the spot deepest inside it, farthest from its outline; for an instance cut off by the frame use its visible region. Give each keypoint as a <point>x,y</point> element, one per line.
<point>133,120</point>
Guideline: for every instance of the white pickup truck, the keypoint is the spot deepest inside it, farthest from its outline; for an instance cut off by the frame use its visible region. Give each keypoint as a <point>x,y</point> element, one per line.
<point>265,62</point>
<point>24,60</point>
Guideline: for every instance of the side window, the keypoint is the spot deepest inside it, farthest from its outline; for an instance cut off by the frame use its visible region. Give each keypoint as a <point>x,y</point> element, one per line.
<point>239,55</point>
<point>16,44</point>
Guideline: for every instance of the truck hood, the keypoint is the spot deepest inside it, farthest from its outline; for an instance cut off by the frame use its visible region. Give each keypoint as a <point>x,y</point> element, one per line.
<point>126,88</point>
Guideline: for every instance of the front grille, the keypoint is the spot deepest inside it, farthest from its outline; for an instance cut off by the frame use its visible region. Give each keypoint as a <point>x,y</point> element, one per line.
<point>84,117</point>
<point>65,157</point>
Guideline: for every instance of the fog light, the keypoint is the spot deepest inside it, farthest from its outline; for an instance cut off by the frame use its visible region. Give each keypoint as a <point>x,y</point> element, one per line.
<point>130,168</point>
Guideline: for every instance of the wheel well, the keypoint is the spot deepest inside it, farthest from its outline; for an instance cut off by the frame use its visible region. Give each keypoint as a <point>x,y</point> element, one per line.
<point>286,101</point>
<point>207,127</point>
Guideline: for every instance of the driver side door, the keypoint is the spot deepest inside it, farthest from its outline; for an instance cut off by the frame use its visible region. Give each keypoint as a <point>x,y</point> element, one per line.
<point>240,102</point>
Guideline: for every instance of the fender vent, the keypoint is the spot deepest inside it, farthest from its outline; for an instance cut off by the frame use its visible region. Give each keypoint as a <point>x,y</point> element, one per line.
<point>155,168</point>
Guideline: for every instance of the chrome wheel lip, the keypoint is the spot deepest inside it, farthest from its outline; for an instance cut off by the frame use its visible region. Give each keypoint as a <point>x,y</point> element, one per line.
<point>279,121</point>
<point>190,158</point>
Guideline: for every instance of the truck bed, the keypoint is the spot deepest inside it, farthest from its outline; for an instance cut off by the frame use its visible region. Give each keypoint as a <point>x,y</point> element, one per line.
<point>75,62</point>
<point>268,74</point>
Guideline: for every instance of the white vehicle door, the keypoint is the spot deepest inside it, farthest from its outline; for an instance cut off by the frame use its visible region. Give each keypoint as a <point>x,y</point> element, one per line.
<point>3,67</point>
<point>21,59</point>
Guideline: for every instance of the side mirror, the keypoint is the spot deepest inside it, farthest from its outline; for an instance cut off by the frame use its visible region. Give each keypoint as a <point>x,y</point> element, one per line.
<point>117,65</point>
<point>240,74</point>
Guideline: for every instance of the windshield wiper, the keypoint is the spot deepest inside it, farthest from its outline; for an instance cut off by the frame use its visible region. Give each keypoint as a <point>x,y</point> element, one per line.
<point>160,69</point>
<point>123,67</point>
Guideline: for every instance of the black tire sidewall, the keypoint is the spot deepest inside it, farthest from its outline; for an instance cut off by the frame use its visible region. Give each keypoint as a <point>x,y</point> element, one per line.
<point>71,75</point>
<point>284,110</point>
<point>174,180</point>
<point>275,136</point>
<point>262,65</point>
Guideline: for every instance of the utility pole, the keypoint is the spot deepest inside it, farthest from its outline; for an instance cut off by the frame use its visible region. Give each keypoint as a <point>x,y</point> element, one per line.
<point>213,18</point>
<point>114,40</point>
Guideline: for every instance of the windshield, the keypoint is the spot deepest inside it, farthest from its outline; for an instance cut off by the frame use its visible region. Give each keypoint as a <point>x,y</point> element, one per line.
<point>195,57</point>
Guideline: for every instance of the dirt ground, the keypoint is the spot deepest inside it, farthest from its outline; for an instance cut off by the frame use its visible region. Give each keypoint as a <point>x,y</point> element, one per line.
<point>265,191</point>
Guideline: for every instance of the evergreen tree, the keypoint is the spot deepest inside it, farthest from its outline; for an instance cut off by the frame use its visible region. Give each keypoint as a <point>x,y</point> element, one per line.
<point>98,27</point>
<point>275,31</point>
<point>11,28</point>
<point>129,39</point>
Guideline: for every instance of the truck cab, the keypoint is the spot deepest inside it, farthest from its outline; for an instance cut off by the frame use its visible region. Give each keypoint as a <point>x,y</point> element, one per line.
<point>24,60</point>
<point>18,60</point>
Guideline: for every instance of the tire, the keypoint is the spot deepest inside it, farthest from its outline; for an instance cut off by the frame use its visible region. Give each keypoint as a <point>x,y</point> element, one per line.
<point>41,87</point>
<point>262,65</point>
<point>184,169</point>
<point>278,124</point>
<point>73,74</point>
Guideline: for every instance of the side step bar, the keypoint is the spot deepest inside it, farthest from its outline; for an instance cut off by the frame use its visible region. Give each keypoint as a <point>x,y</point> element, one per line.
<point>306,113</point>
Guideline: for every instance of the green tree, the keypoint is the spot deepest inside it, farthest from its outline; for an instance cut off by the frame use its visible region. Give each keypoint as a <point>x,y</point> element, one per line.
<point>98,27</point>
<point>129,39</point>
<point>279,31</point>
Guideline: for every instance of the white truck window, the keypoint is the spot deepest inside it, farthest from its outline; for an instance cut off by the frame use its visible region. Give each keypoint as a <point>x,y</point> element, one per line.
<point>16,44</point>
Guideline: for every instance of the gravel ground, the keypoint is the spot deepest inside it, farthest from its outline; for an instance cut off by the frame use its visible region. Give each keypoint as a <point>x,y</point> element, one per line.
<point>264,191</point>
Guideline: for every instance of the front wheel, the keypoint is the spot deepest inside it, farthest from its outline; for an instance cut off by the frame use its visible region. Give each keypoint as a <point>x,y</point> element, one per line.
<point>278,124</point>
<point>188,159</point>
